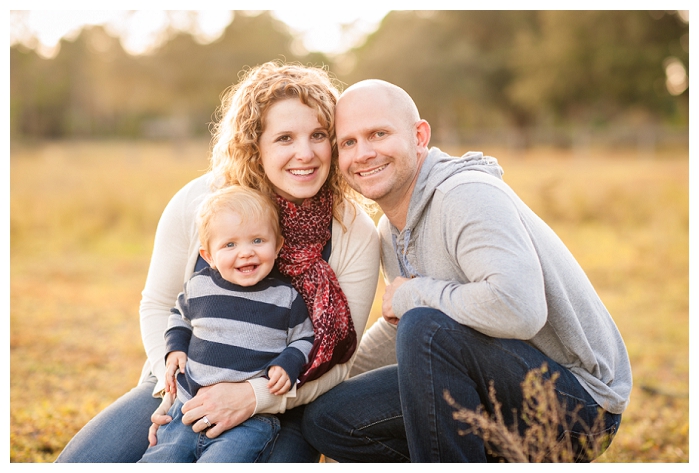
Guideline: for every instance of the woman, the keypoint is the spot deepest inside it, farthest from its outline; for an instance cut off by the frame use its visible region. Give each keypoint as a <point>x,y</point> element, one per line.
<point>276,134</point>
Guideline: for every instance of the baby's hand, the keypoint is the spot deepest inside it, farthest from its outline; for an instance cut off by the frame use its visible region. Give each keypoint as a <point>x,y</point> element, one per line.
<point>175,362</point>
<point>279,382</point>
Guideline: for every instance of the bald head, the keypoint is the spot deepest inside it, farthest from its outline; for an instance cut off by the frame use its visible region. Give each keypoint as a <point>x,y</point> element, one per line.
<point>388,95</point>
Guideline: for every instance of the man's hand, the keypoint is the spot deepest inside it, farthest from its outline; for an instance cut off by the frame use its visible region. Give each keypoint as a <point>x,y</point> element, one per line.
<point>387,306</point>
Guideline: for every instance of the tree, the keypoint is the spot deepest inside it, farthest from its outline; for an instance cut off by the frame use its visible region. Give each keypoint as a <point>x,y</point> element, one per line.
<point>595,66</point>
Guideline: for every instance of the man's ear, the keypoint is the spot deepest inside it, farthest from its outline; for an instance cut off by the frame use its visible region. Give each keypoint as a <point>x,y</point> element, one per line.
<point>205,254</point>
<point>423,134</point>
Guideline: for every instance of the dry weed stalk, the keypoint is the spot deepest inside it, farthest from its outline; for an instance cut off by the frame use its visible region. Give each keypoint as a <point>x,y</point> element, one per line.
<point>543,416</point>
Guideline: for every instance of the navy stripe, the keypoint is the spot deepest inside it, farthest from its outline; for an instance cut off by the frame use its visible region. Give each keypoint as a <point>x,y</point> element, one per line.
<point>228,356</point>
<point>248,311</point>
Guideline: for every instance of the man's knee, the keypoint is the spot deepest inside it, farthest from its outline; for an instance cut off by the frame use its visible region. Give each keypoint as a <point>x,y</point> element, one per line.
<point>419,320</point>
<point>419,325</point>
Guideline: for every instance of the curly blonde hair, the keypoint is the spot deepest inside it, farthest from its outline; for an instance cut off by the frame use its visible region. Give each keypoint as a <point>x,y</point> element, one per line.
<point>235,156</point>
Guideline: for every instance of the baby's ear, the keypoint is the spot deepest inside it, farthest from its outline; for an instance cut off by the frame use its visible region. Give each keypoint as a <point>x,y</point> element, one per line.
<point>280,243</point>
<point>205,254</point>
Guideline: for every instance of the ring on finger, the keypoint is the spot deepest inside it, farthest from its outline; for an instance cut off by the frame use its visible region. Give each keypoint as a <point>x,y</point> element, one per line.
<point>206,421</point>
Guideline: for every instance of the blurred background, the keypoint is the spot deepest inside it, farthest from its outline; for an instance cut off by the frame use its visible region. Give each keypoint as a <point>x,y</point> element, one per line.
<point>563,78</point>
<point>587,111</point>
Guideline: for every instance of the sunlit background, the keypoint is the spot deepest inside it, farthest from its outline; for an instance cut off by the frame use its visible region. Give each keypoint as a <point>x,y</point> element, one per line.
<point>140,32</point>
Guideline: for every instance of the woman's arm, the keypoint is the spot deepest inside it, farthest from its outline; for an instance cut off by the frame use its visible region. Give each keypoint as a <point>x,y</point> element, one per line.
<point>172,262</point>
<point>355,260</point>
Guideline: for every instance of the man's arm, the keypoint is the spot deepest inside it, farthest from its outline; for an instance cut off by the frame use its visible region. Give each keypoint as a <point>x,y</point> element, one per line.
<point>501,293</point>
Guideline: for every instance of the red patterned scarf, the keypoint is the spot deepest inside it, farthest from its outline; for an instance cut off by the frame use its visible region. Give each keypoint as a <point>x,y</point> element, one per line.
<point>306,230</point>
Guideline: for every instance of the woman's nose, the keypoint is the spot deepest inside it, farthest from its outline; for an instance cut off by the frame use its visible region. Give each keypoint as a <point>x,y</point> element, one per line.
<point>304,150</point>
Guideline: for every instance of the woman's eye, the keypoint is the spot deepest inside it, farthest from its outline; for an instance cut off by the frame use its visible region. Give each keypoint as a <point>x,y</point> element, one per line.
<point>284,138</point>
<point>319,136</point>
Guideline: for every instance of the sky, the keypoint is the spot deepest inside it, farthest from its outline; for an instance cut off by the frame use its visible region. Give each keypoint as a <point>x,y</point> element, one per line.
<point>328,31</point>
<point>318,28</point>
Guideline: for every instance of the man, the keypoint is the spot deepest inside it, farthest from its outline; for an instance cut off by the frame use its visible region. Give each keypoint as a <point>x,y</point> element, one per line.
<point>482,291</point>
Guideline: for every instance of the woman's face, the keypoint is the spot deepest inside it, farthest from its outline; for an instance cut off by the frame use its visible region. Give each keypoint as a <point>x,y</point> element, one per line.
<point>295,150</point>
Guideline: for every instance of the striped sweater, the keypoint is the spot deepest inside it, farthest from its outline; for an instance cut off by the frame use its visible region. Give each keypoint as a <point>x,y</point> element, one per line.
<point>232,333</point>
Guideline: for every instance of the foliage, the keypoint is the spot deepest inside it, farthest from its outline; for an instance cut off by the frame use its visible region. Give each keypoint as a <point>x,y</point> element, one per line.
<point>596,65</point>
<point>481,68</point>
<point>94,88</point>
<point>536,437</point>
<point>466,70</point>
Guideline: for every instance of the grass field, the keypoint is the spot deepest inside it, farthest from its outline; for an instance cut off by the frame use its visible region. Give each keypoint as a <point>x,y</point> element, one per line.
<point>83,216</point>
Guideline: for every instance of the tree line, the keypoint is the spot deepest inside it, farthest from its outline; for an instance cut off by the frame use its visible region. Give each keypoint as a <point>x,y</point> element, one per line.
<point>466,70</point>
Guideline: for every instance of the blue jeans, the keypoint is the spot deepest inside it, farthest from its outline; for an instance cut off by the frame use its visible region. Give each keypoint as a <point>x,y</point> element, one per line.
<point>245,443</point>
<point>398,413</point>
<point>119,434</point>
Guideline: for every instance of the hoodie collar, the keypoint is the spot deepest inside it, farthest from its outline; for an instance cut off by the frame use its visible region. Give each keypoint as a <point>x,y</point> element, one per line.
<point>437,168</point>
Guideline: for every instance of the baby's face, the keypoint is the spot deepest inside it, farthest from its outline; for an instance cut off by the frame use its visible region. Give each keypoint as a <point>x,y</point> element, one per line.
<point>244,254</point>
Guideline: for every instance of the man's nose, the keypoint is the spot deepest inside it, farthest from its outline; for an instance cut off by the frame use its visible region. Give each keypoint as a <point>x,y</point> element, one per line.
<point>365,151</point>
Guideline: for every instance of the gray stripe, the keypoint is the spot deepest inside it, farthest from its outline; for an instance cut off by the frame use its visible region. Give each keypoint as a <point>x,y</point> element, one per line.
<point>241,334</point>
<point>302,330</point>
<point>177,320</point>
<point>204,286</point>
<point>206,375</point>
<point>303,346</point>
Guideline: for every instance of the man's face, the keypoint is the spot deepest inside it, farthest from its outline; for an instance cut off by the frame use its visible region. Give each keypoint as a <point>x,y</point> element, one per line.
<point>377,145</point>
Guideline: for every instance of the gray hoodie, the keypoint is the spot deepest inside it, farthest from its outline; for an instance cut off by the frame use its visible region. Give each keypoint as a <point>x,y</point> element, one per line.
<point>479,254</point>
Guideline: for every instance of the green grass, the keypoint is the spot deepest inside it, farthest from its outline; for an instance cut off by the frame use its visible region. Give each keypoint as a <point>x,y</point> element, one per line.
<point>83,217</point>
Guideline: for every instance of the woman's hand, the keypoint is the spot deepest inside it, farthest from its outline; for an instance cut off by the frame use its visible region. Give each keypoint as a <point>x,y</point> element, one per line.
<point>225,405</point>
<point>387,300</point>
<point>160,417</point>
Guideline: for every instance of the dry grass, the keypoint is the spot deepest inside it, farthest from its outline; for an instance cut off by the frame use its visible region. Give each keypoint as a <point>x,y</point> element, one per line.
<point>534,437</point>
<point>83,216</point>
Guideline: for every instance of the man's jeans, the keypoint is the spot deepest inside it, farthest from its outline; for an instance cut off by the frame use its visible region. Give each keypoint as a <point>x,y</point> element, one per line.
<point>398,413</point>
<point>245,443</point>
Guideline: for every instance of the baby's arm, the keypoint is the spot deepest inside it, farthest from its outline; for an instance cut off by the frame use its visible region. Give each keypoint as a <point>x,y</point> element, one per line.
<point>175,362</point>
<point>279,382</point>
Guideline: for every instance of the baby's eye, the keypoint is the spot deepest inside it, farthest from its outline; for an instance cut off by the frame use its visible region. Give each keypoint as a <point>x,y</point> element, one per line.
<point>230,244</point>
<point>257,241</point>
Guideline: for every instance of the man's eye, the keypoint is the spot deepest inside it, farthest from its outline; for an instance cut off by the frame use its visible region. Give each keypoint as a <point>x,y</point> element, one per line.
<point>348,143</point>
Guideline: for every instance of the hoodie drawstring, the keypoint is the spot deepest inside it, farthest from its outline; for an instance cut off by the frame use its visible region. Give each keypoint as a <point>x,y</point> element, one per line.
<point>406,269</point>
